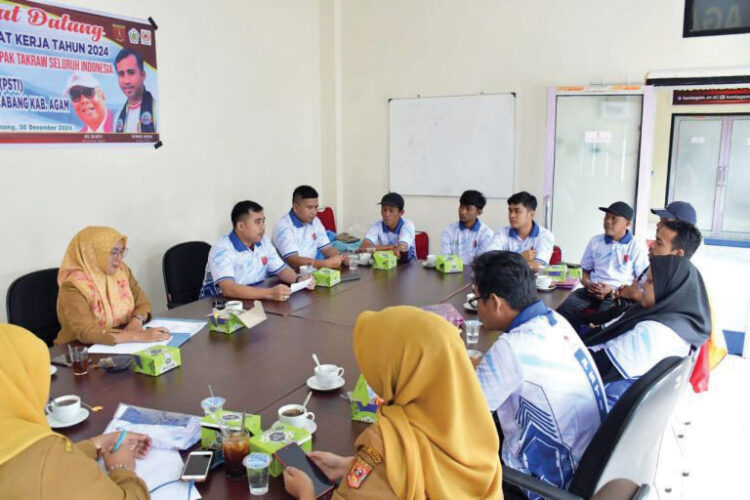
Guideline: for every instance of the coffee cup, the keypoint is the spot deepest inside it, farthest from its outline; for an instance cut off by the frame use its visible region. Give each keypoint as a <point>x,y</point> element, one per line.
<point>543,281</point>
<point>64,408</point>
<point>327,375</point>
<point>470,297</point>
<point>295,415</point>
<point>431,260</point>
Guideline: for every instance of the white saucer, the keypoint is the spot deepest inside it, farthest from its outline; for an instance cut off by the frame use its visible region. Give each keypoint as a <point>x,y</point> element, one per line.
<point>468,307</point>
<point>313,383</point>
<point>427,264</point>
<point>52,369</point>
<point>310,426</point>
<point>551,287</point>
<point>56,424</point>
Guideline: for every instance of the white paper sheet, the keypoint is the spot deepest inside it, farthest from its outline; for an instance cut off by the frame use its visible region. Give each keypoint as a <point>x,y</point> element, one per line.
<point>175,325</point>
<point>161,467</point>
<point>128,348</point>
<point>296,287</point>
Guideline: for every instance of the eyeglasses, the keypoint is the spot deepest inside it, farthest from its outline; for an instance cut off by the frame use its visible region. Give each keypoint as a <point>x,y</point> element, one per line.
<point>122,252</point>
<point>77,92</point>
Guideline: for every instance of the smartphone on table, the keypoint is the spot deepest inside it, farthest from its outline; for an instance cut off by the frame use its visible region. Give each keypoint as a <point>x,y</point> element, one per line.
<point>295,456</point>
<point>197,466</point>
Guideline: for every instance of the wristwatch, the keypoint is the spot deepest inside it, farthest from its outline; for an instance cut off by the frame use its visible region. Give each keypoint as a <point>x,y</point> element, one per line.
<point>141,317</point>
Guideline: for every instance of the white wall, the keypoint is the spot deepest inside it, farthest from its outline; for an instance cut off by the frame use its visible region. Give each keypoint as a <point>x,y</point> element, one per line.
<point>397,48</point>
<point>240,119</point>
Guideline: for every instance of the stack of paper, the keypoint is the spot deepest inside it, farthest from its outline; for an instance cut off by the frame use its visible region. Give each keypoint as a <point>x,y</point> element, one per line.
<point>180,329</point>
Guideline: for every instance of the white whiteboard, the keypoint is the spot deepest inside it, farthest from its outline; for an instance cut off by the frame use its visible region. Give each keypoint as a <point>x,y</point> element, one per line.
<point>442,146</point>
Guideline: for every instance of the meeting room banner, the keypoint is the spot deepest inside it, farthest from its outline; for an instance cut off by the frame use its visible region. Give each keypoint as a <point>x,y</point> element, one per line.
<point>74,76</point>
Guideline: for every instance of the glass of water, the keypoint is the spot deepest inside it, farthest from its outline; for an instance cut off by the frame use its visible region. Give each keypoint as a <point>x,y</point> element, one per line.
<point>257,465</point>
<point>472,331</point>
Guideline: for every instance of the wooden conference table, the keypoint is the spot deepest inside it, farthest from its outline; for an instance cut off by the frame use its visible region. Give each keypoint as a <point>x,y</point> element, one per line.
<point>261,369</point>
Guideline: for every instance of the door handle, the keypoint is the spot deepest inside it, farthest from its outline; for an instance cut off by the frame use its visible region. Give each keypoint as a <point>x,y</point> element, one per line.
<point>548,211</point>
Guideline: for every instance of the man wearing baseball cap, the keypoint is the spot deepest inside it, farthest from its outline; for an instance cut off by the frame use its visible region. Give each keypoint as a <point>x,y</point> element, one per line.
<point>677,210</point>
<point>89,103</point>
<point>611,260</point>
<point>393,232</point>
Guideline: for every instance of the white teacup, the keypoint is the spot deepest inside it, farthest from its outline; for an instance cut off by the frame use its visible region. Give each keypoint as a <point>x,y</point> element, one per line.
<point>365,258</point>
<point>64,408</point>
<point>543,281</point>
<point>327,375</point>
<point>431,260</point>
<point>295,415</point>
<point>470,297</point>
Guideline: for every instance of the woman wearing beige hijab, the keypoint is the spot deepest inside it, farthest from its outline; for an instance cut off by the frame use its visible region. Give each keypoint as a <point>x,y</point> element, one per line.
<point>99,301</point>
<point>35,462</point>
<point>434,437</point>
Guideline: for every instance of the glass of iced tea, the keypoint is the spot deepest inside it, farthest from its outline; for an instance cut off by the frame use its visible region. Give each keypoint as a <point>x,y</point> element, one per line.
<point>79,357</point>
<point>235,444</point>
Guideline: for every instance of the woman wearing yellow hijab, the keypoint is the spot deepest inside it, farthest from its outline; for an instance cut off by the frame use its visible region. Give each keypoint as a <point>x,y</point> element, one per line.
<point>35,462</point>
<point>100,301</point>
<point>434,437</point>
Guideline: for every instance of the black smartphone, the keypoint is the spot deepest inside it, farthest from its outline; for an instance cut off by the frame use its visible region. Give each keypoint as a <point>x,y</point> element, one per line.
<point>293,455</point>
<point>197,466</point>
<point>350,277</point>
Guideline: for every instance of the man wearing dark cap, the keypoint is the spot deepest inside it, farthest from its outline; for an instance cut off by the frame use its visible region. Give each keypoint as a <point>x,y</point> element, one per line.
<point>677,210</point>
<point>611,260</point>
<point>393,232</point>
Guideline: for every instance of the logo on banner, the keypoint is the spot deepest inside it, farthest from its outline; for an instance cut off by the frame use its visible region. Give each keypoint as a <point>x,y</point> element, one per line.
<point>146,118</point>
<point>145,37</point>
<point>119,32</point>
<point>134,35</point>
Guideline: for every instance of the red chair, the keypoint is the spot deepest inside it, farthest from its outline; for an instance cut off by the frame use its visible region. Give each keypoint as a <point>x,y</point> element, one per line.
<point>422,242</point>
<point>327,218</point>
<point>556,257</point>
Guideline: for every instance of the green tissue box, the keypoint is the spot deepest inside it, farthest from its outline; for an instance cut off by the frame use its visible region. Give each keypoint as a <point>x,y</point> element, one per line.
<point>211,438</point>
<point>384,260</point>
<point>224,322</point>
<point>363,402</point>
<point>275,438</point>
<point>157,360</point>
<point>449,264</point>
<point>575,272</point>
<point>327,277</point>
<point>558,272</point>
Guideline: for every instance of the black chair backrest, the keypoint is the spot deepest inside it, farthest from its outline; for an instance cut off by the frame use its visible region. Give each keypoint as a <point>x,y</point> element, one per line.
<point>628,440</point>
<point>184,267</point>
<point>31,302</point>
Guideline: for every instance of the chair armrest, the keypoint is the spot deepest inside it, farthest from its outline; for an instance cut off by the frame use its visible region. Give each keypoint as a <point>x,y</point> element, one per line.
<point>537,486</point>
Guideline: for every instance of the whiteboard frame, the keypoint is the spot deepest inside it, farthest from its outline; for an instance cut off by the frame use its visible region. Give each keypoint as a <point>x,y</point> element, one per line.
<point>511,182</point>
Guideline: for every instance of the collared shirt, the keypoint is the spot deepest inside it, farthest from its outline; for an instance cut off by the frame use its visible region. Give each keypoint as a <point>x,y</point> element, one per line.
<point>635,352</point>
<point>544,386</point>
<point>292,236</point>
<point>380,234</point>
<point>464,242</point>
<point>615,263</point>
<point>229,258</point>
<point>540,239</point>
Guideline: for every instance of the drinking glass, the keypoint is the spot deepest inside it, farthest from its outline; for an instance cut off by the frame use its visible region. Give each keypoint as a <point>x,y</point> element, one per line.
<point>236,445</point>
<point>472,331</point>
<point>257,465</point>
<point>79,357</point>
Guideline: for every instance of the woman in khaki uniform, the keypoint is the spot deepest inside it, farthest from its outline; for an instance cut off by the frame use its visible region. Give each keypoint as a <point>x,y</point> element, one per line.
<point>434,437</point>
<point>99,301</point>
<point>35,462</point>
